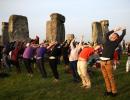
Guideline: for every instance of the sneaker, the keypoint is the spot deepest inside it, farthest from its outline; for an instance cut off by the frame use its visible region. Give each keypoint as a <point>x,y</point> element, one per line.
<point>30,75</point>
<point>82,86</point>
<point>87,87</point>
<point>56,80</point>
<point>107,93</point>
<point>113,94</point>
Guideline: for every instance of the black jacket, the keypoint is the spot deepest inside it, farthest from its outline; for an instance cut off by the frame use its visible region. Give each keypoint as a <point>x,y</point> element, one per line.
<point>54,51</point>
<point>110,46</point>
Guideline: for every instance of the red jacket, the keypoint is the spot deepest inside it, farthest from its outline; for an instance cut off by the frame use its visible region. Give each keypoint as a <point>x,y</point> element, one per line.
<point>116,55</point>
<point>86,53</point>
<point>14,54</point>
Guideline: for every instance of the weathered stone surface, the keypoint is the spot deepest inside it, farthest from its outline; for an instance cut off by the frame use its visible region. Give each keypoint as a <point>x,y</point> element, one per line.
<point>59,17</point>
<point>18,28</point>
<point>5,34</point>
<point>104,25</point>
<point>97,34</point>
<point>69,37</point>
<point>48,30</point>
<point>55,30</point>
<point>1,40</point>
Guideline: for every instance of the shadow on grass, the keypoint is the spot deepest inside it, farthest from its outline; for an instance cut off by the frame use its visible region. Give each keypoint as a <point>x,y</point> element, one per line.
<point>4,75</point>
<point>124,89</point>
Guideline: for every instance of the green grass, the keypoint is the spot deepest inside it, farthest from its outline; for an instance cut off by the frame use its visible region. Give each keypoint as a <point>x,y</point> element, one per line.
<point>22,87</point>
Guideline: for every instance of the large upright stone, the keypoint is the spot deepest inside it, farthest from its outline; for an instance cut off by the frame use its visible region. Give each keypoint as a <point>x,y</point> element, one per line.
<point>55,30</point>
<point>104,25</point>
<point>97,35</point>
<point>5,34</point>
<point>1,40</point>
<point>18,28</point>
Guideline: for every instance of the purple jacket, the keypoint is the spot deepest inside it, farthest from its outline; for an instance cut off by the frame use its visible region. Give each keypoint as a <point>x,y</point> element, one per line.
<point>28,52</point>
<point>40,52</point>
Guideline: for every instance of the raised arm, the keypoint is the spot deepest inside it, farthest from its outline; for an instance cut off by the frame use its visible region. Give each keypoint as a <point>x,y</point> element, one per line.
<point>64,43</point>
<point>112,31</point>
<point>109,33</point>
<point>122,35</point>
<point>35,45</point>
<point>81,40</point>
<point>71,44</point>
<point>50,46</point>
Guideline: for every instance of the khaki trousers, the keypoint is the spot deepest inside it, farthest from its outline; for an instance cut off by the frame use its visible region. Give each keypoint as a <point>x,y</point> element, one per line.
<point>128,64</point>
<point>82,71</point>
<point>107,71</point>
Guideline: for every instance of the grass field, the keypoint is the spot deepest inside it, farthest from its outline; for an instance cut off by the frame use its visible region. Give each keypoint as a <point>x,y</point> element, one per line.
<point>23,87</point>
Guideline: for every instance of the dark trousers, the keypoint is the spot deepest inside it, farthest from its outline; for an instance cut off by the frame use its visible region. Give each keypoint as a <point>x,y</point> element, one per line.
<point>53,65</point>
<point>66,59</point>
<point>40,64</point>
<point>27,63</point>
<point>16,64</point>
<point>6,61</point>
<point>73,66</point>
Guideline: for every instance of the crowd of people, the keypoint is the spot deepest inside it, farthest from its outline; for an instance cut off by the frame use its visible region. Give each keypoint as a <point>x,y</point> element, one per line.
<point>77,56</point>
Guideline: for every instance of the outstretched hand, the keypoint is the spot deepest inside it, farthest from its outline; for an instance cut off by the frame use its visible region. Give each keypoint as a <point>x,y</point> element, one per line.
<point>117,29</point>
<point>124,30</point>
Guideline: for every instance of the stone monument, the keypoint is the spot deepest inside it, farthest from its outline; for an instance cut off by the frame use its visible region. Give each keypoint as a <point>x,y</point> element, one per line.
<point>55,29</point>
<point>18,28</point>
<point>1,40</point>
<point>5,34</point>
<point>97,34</point>
<point>104,25</point>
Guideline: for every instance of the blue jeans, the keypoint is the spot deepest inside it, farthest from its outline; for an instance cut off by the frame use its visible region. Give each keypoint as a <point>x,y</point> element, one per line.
<point>73,66</point>
<point>40,64</point>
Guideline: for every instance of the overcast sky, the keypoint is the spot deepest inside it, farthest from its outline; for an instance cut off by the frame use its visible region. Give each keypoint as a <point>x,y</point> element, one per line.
<point>79,14</point>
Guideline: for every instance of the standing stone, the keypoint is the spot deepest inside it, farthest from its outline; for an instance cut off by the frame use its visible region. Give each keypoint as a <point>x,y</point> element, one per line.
<point>55,29</point>
<point>97,35</point>
<point>104,25</point>
<point>1,40</point>
<point>18,28</point>
<point>48,31</point>
<point>5,34</point>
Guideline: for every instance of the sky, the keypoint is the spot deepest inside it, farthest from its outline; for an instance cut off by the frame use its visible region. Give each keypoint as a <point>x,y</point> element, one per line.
<point>79,14</point>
